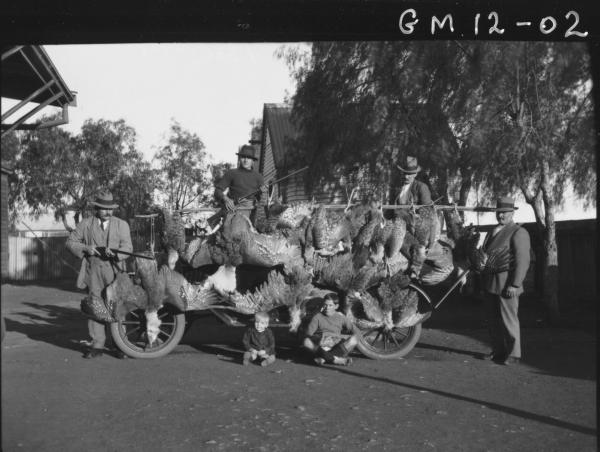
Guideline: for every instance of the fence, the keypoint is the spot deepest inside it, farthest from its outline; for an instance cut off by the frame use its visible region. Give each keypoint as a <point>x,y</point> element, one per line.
<point>31,260</point>
<point>46,258</point>
<point>576,241</point>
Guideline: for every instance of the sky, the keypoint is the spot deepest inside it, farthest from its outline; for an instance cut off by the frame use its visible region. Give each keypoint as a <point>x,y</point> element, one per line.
<point>212,90</point>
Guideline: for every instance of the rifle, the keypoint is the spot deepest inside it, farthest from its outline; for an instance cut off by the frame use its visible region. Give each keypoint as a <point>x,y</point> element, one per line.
<point>213,220</point>
<point>102,251</point>
<point>273,182</point>
<point>416,206</point>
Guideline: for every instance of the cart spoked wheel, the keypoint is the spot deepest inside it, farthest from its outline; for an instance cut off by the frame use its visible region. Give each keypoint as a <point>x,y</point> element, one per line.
<point>130,336</point>
<point>383,342</point>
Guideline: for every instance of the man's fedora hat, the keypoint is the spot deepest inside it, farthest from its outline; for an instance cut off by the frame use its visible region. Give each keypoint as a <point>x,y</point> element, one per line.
<point>411,166</point>
<point>248,151</point>
<point>104,200</point>
<point>505,204</point>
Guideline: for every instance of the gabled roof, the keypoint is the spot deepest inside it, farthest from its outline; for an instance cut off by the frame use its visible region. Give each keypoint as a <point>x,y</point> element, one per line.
<point>277,119</point>
<point>28,75</point>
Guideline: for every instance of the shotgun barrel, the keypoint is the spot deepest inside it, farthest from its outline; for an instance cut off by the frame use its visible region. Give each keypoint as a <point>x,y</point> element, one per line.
<point>102,251</point>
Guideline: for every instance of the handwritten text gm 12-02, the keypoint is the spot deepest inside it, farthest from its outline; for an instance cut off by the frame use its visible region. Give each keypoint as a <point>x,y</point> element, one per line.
<point>547,25</point>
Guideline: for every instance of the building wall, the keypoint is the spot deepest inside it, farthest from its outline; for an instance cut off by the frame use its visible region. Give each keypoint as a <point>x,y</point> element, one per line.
<point>4,225</point>
<point>325,194</point>
<point>269,171</point>
<point>577,269</point>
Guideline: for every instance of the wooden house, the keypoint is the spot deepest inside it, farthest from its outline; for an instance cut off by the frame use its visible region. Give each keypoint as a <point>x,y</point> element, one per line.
<point>277,132</point>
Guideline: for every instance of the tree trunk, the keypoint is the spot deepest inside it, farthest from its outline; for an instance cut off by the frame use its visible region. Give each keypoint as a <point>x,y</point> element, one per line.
<point>463,194</point>
<point>550,263</point>
<point>545,247</point>
<point>550,271</point>
<point>63,217</point>
<point>465,188</point>
<point>537,242</point>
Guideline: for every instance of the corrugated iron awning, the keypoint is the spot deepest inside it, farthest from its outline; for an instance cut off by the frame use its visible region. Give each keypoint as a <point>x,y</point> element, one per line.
<point>29,76</point>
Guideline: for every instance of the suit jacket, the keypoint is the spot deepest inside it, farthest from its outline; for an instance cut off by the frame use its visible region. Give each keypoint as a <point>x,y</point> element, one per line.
<point>517,240</point>
<point>89,232</point>
<point>417,194</point>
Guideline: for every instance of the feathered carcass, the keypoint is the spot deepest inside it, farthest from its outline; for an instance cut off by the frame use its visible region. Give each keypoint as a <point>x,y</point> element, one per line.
<point>371,261</point>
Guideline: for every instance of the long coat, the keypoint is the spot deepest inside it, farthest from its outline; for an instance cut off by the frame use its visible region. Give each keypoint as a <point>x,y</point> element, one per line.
<point>89,232</point>
<point>517,240</point>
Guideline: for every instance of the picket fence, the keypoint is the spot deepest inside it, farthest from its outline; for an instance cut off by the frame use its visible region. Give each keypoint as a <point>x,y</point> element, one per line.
<point>46,258</point>
<point>43,258</point>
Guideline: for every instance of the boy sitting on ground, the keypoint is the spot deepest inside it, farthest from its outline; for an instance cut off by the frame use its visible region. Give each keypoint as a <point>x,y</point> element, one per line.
<point>324,334</point>
<point>259,341</point>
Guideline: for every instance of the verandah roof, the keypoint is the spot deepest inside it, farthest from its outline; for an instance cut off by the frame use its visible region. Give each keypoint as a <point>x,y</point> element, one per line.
<point>29,76</point>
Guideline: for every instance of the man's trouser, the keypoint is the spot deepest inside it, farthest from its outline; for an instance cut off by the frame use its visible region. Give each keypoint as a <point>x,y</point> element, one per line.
<point>504,325</point>
<point>338,350</point>
<point>101,274</point>
<point>249,211</point>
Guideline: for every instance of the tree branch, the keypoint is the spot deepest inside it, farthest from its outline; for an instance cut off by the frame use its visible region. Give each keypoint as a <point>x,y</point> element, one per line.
<point>191,201</point>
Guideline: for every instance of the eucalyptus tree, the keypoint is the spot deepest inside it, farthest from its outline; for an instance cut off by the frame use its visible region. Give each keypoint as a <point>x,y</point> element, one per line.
<point>500,117</point>
<point>57,170</point>
<point>372,103</point>
<point>183,168</point>
<point>539,136</point>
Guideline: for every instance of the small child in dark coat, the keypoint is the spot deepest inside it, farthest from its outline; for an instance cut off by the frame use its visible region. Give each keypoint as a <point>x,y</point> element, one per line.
<point>259,341</point>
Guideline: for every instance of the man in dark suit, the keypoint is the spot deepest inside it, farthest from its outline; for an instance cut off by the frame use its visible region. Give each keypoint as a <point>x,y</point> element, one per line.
<point>412,190</point>
<point>417,193</point>
<point>99,269</point>
<point>241,187</point>
<point>502,288</point>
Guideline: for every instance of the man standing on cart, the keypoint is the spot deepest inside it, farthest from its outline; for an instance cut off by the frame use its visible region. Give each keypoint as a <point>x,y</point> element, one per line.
<point>417,193</point>
<point>502,289</point>
<point>412,190</point>
<point>240,188</point>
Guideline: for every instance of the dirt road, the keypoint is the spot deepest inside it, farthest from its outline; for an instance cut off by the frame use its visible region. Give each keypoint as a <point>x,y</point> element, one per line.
<point>200,398</point>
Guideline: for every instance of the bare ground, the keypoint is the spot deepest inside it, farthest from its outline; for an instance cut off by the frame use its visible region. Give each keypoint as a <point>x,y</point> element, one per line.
<point>199,397</point>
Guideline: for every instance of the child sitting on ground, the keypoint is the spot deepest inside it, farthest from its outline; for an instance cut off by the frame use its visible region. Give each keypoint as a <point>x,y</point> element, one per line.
<point>259,341</point>
<point>324,336</point>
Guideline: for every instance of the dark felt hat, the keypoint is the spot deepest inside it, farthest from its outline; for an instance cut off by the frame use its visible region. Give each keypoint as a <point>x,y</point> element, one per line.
<point>505,204</point>
<point>411,166</point>
<point>248,151</point>
<point>104,200</point>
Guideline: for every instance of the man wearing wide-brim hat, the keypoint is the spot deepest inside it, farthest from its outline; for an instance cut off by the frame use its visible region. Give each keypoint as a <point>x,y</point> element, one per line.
<point>241,186</point>
<point>417,193</point>
<point>503,287</point>
<point>102,231</point>
<point>412,190</point>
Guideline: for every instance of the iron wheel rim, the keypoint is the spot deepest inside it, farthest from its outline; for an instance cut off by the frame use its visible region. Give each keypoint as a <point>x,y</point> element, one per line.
<point>386,341</point>
<point>132,330</point>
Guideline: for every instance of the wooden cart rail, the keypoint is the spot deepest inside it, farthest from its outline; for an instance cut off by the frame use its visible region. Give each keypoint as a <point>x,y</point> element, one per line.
<point>384,207</point>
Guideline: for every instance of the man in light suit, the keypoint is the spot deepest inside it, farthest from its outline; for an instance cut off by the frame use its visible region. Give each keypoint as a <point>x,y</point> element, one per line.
<point>502,289</point>
<point>98,269</point>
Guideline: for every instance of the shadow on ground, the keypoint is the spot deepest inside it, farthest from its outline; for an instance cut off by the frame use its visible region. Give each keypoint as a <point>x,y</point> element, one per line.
<point>57,325</point>
<point>568,350</point>
<point>491,405</point>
